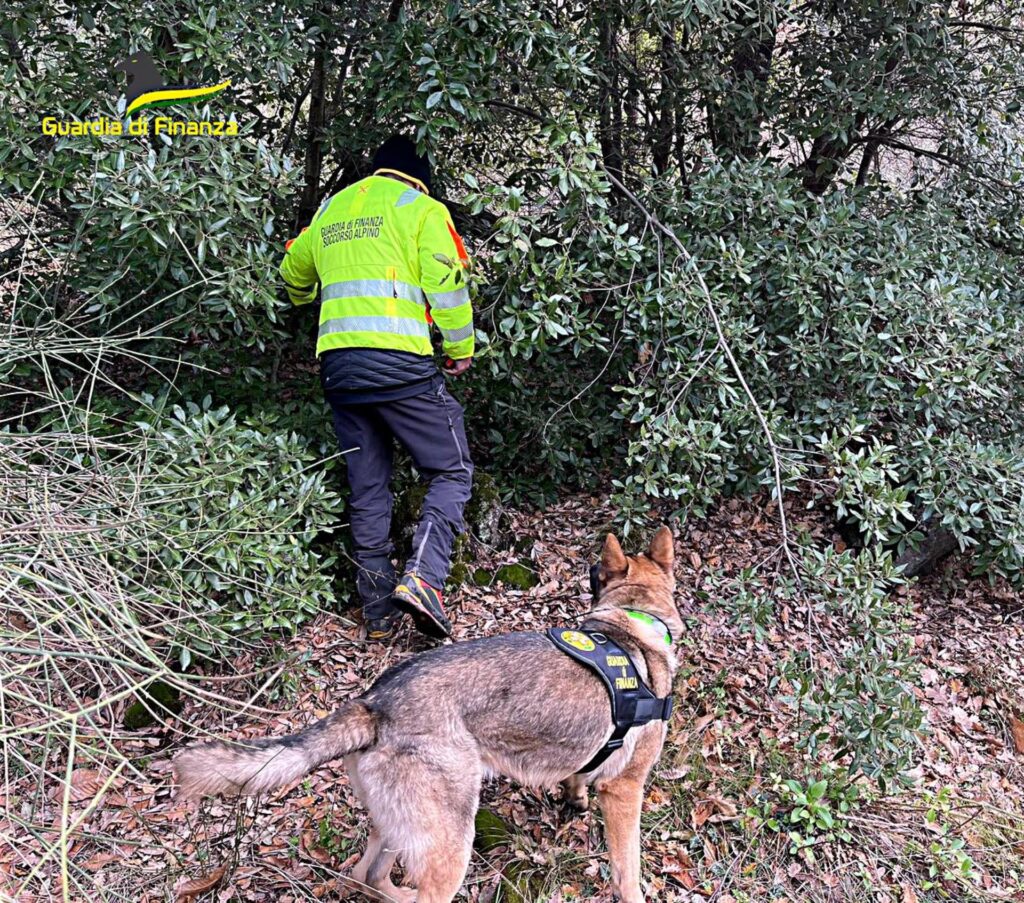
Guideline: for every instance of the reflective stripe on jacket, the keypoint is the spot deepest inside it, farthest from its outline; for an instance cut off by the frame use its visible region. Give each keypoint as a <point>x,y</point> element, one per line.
<point>381,252</point>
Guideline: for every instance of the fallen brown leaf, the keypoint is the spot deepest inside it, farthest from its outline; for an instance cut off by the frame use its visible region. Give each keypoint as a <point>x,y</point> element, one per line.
<point>95,863</point>
<point>310,845</point>
<point>187,892</point>
<point>679,864</point>
<point>1017,733</point>
<point>85,784</point>
<point>701,813</point>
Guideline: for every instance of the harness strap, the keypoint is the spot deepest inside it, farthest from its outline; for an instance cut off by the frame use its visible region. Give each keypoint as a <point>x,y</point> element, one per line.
<point>633,703</point>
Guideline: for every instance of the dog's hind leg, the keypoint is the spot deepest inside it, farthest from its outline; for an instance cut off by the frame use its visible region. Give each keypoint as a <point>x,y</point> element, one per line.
<point>423,800</point>
<point>620,800</point>
<point>438,799</point>
<point>373,872</point>
<point>447,861</point>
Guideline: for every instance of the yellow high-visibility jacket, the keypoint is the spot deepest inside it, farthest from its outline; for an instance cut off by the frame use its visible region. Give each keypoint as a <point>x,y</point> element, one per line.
<point>381,253</point>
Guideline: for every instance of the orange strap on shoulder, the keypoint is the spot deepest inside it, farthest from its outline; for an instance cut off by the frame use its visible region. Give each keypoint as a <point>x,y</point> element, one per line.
<point>291,241</point>
<point>460,248</point>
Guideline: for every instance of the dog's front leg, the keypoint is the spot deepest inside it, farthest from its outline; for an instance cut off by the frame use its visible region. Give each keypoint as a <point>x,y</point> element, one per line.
<point>620,800</point>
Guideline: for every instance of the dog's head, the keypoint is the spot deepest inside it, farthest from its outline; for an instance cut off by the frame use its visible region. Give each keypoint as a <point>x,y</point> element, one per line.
<point>646,579</point>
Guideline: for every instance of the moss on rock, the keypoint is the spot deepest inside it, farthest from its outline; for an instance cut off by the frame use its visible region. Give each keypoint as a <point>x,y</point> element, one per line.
<point>491,831</point>
<point>152,704</point>
<point>524,545</point>
<point>522,881</point>
<point>484,511</point>
<point>485,518</point>
<point>406,513</point>
<point>482,577</point>
<point>519,575</point>
<point>462,561</point>
<point>484,515</point>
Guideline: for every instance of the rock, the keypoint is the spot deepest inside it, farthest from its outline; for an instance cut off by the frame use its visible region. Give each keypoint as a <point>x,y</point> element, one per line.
<point>406,514</point>
<point>935,545</point>
<point>485,516</point>
<point>521,880</point>
<point>152,703</point>
<point>486,520</point>
<point>462,561</point>
<point>524,545</point>
<point>517,576</point>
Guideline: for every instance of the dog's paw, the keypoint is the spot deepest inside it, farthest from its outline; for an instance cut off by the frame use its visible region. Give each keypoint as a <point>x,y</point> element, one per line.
<point>633,895</point>
<point>580,802</point>
<point>576,794</point>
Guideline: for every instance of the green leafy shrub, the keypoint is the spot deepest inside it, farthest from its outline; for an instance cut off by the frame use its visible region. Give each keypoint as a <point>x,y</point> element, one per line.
<point>807,813</point>
<point>880,342</point>
<point>237,507</point>
<point>856,702</point>
<point>193,222</point>
<point>948,860</point>
<point>852,702</point>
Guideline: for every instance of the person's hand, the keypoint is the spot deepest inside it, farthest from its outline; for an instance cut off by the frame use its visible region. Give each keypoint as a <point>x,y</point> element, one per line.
<point>457,368</point>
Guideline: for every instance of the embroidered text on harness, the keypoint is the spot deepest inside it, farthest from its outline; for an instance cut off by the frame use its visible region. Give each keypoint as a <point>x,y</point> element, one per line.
<point>633,703</point>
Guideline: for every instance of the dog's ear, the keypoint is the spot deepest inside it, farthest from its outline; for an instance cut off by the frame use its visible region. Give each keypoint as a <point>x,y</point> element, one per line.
<point>613,561</point>
<point>662,551</point>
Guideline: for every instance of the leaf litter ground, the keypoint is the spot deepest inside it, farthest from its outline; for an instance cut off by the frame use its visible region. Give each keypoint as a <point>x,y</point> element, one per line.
<point>730,738</point>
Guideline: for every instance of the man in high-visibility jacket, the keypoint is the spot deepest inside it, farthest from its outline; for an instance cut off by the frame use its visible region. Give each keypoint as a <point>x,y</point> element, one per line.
<point>388,262</point>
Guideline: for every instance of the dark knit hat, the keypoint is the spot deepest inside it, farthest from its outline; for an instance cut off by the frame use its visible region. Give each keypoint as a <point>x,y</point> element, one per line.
<point>399,153</point>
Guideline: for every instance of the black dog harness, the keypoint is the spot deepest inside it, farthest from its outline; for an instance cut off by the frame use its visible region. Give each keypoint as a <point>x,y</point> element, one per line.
<point>633,703</point>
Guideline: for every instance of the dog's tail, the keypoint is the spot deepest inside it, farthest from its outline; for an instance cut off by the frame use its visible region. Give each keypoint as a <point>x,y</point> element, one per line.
<point>256,766</point>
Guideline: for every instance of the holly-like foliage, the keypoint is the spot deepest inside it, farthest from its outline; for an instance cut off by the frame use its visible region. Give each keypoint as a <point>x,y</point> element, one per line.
<point>845,175</point>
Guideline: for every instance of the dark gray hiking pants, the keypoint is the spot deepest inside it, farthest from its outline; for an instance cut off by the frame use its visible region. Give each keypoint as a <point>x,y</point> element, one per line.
<point>430,427</point>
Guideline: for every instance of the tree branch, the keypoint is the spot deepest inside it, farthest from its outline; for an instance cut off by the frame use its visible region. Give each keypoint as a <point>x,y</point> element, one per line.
<point>987,26</point>
<point>871,149</point>
<point>290,131</point>
<point>723,343</point>
<point>314,134</point>
<point>935,155</point>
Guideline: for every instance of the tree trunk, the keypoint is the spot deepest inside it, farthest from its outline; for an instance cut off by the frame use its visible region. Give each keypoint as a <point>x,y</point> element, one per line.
<point>828,154</point>
<point>663,134</point>
<point>875,139</point>
<point>609,110</point>
<point>825,160</point>
<point>737,125</point>
<point>314,135</point>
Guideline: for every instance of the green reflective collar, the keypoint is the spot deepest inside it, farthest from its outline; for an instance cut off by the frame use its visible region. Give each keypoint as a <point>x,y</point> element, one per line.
<point>648,618</point>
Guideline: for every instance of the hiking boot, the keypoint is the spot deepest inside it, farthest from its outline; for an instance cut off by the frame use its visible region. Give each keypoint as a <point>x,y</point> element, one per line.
<point>423,602</point>
<point>380,629</point>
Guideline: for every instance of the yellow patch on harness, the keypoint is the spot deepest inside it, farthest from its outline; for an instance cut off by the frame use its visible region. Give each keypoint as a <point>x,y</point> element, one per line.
<point>578,640</point>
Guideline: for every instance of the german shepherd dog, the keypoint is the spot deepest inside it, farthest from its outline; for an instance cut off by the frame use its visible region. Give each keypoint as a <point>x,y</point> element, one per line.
<point>418,744</point>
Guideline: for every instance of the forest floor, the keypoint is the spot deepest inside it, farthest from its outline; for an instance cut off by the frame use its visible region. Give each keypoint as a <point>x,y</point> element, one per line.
<point>956,834</point>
